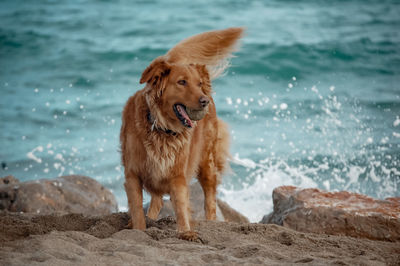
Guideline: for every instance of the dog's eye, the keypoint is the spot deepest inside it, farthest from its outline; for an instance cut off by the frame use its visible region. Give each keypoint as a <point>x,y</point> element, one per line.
<point>182,82</point>
<point>200,84</point>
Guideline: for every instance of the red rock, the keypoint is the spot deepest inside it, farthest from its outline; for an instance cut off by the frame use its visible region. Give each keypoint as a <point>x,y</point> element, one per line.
<point>335,213</point>
<point>67,194</point>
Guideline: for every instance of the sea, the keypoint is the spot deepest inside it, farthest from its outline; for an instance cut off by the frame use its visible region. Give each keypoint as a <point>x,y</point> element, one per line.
<point>312,98</point>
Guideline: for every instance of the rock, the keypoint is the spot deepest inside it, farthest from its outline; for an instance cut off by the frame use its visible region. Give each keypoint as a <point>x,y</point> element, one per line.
<point>230,214</point>
<point>67,194</point>
<point>335,213</point>
<point>8,180</point>
<point>224,211</point>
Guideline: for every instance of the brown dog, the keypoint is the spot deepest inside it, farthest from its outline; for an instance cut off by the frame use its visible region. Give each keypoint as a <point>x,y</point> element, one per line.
<point>170,131</point>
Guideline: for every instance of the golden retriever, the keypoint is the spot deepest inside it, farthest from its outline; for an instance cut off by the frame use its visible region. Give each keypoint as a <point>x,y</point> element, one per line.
<point>170,131</point>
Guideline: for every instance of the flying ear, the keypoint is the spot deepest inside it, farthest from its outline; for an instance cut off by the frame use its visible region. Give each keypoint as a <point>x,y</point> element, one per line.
<point>205,76</point>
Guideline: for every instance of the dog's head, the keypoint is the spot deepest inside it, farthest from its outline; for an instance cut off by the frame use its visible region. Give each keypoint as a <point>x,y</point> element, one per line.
<point>177,94</point>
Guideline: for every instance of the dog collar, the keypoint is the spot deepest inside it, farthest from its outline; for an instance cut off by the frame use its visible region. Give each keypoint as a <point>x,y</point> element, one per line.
<point>152,121</point>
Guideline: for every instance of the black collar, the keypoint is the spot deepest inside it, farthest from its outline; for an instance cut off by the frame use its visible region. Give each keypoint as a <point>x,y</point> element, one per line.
<point>152,123</point>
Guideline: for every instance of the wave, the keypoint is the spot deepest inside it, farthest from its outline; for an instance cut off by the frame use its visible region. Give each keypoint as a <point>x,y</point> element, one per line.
<point>278,61</point>
<point>31,40</point>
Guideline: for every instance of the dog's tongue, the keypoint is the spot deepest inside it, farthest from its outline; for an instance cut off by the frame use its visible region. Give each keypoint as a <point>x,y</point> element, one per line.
<point>183,113</point>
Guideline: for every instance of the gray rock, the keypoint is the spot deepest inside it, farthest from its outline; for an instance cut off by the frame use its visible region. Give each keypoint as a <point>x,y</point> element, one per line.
<point>67,194</point>
<point>224,211</point>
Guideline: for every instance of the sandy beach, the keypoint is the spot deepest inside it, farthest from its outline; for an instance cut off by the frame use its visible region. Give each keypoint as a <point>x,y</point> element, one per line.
<point>75,239</point>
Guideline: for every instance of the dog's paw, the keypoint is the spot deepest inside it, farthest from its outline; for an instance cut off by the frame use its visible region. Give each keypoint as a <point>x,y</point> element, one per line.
<point>140,226</point>
<point>189,236</point>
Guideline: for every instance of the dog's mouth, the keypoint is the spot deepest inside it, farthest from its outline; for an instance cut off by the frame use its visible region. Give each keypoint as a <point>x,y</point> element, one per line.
<point>180,111</point>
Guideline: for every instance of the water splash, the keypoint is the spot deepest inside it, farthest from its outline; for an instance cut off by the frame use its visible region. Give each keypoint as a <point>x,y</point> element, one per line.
<point>254,199</point>
<point>338,149</point>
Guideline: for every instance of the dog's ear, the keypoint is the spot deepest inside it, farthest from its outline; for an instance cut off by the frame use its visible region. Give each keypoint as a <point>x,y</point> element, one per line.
<point>157,69</point>
<point>156,75</point>
<point>205,76</point>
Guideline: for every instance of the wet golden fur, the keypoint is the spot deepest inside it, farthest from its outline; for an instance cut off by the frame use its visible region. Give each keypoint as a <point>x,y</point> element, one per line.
<point>159,153</point>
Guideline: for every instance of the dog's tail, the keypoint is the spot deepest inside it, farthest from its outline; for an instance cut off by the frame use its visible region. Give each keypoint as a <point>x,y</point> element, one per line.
<point>213,49</point>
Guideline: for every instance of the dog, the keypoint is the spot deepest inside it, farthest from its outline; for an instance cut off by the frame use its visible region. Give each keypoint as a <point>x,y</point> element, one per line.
<point>170,130</point>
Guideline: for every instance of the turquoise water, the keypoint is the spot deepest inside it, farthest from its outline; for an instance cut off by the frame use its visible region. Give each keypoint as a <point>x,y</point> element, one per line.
<point>312,98</point>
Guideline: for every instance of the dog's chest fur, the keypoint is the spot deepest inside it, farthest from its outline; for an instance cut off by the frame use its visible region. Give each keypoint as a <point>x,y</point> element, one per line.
<point>162,154</point>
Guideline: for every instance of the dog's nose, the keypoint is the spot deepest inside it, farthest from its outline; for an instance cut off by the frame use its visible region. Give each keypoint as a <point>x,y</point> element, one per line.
<point>204,101</point>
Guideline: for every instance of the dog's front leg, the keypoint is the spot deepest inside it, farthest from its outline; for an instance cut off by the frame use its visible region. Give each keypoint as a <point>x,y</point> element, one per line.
<point>134,192</point>
<point>180,201</point>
